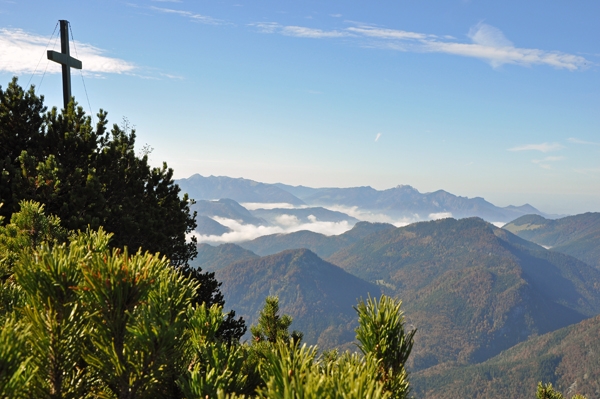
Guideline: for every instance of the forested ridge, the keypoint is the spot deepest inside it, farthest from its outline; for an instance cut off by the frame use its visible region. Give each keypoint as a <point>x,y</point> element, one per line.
<point>100,297</point>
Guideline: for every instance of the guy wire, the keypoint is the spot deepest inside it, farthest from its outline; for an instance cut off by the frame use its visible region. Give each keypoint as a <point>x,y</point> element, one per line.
<point>40,60</point>
<point>47,63</point>
<point>81,73</point>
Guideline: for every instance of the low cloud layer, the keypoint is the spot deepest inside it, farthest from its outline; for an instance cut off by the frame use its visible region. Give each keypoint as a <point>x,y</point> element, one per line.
<point>373,217</point>
<point>23,52</point>
<point>288,224</point>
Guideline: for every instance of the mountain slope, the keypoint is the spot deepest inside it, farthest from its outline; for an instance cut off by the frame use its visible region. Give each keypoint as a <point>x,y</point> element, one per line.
<point>318,295</point>
<point>214,258</point>
<point>320,244</point>
<point>227,209</point>
<point>208,226</point>
<point>569,358</point>
<point>472,289</point>
<point>241,190</point>
<point>578,236</point>
<point>406,201</point>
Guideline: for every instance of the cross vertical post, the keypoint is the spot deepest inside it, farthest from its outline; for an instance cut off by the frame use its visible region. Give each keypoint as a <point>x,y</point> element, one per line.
<point>64,58</point>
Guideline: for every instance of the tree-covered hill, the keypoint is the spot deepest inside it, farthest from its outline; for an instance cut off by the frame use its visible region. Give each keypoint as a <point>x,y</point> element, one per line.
<point>569,358</point>
<point>211,258</point>
<point>578,235</point>
<point>471,289</point>
<point>318,295</point>
<point>320,244</point>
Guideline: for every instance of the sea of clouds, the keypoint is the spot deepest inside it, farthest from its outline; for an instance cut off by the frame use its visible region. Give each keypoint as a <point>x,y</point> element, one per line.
<point>286,223</point>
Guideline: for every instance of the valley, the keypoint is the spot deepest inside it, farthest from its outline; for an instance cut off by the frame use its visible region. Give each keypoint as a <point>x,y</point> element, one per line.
<point>480,296</point>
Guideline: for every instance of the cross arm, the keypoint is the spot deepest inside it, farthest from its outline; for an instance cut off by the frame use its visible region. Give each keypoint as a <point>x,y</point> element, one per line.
<point>64,59</point>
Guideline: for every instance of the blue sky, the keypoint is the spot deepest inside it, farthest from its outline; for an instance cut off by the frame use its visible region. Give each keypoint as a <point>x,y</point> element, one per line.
<point>480,98</point>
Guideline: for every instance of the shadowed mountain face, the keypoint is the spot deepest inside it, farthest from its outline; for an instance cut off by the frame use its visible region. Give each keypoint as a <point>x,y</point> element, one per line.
<point>320,244</point>
<point>569,358</point>
<point>209,226</point>
<point>471,289</point>
<point>318,295</point>
<point>227,209</point>
<point>242,190</point>
<point>214,258</point>
<point>578,236</point>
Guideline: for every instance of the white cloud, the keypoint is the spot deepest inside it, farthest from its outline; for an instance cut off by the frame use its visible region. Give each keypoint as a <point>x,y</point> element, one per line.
<point>377,137</point>
<point>440,215</point>
<point>487,35</point>
<point>488,43</point>
<point>578,141</point>
<point>372,217</point>
<point>287,220</point>
<point>498,56</point>
<point>592,172</point>
<point>266,27</point>
<point>21,53</point>
<point>244,232</point>
<point>387,33</point>
<point>300,31</point>
<point>543,147</point>
<point>545,163</point>
<point>297,31</point>
<point>548,159</point>
<point>191,15</point>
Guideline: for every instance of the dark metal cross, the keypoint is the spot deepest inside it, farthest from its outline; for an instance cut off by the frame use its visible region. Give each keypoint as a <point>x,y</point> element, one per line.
<point>66,60</point>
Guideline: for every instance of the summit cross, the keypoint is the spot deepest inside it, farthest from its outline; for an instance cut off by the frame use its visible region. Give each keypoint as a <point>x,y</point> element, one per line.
<point>66,60</point>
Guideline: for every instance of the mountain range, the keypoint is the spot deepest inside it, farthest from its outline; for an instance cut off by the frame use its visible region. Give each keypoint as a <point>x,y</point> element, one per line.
<point>472,289</point>
<point>577,235</point>
<point>406,201</point>
<point>496,309</point>
<point>285,206</point>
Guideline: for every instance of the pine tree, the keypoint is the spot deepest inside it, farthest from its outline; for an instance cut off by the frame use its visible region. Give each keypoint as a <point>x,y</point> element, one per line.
<point>89,176</point>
